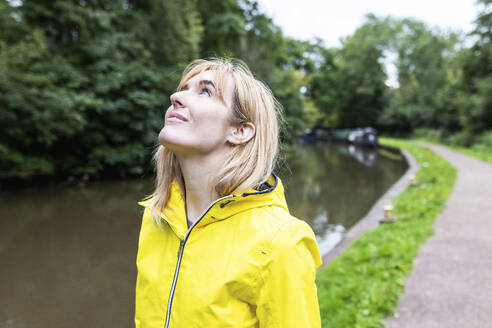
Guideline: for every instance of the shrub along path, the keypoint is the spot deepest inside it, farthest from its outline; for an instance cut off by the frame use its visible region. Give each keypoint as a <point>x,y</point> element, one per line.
<point>451,282</point>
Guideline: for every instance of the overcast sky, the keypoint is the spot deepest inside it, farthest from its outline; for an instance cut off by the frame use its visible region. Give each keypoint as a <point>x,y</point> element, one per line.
<point>330,20</point>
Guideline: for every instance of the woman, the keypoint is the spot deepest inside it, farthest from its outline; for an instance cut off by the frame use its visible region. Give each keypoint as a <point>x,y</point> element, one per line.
<point>218,247</point>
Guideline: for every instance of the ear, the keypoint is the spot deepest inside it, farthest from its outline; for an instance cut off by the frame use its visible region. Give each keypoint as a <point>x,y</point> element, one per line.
<point>241,134</point>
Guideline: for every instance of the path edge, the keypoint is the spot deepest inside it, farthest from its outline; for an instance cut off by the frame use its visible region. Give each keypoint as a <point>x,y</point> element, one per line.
<point>371,219</point>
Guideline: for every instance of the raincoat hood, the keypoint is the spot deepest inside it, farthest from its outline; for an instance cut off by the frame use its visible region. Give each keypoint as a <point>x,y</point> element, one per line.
<point>270,193</point>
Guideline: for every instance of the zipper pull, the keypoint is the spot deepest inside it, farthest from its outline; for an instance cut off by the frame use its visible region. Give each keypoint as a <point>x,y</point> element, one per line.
<point>181,245</point>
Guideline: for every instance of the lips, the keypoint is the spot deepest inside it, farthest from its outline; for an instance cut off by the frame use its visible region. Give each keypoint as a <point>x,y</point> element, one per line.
<point>178,116</point>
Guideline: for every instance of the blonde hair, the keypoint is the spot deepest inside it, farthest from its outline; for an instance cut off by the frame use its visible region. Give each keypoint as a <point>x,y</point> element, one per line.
<point>247,165</point>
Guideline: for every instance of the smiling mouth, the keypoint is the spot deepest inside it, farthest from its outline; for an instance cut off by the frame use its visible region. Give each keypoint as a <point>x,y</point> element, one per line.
<point>177,117</point>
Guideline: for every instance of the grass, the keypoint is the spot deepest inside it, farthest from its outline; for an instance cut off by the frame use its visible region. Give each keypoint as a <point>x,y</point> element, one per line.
<point>362,286</point>
<point>477,151</point>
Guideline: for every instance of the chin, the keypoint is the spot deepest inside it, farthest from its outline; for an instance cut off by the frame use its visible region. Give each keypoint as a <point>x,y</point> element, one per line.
<point>172,142</point>
<point>166,138</point>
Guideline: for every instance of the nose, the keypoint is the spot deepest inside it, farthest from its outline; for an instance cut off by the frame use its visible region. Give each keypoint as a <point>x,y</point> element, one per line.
<point>176,100</point>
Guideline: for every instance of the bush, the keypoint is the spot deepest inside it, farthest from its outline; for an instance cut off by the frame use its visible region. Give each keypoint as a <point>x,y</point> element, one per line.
<point>462,139</point>
<point>432,134</point>
<point>484,139</point>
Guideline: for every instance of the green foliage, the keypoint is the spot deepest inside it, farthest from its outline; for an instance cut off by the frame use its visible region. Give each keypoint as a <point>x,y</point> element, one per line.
<point>424,74</point>
<point>349,88</point>
<point>478,150</point>
<point>431,134</point>
<point>479,146</point>
<point>80,93</point>
<point>84,84</point>
<point>170,30</point>
<point>282,63</point>
<point>362,286</point>
<point>473,81</point>
<point>485,139</point>
<point>223,27</point>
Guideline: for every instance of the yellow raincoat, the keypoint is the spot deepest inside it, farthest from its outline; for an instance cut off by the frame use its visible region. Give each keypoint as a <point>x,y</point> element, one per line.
<point>246,262</point>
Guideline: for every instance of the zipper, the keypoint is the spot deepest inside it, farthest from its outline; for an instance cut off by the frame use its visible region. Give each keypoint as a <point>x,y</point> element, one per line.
<point>175,280</point>
<point>180,256</point>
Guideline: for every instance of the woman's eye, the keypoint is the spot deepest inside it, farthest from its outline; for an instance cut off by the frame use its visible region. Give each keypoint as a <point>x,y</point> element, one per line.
<point>205,91</point>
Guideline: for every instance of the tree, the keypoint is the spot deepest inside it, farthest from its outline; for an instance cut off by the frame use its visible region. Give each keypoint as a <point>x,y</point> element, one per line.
<point>349,88</point>
<point>82,91</point>
<point>476,114</point>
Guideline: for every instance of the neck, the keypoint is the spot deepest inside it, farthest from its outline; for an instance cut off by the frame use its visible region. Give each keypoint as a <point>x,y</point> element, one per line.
<point>198,174</point>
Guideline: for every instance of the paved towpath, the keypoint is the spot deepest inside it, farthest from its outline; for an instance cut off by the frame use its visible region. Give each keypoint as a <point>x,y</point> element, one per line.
<point>451,282</point>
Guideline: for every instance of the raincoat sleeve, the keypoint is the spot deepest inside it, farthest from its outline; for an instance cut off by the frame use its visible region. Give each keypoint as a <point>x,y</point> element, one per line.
<point>287,295</point>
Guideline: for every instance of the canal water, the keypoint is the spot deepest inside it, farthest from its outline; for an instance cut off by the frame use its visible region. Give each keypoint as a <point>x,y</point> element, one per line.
<point>68,256</point>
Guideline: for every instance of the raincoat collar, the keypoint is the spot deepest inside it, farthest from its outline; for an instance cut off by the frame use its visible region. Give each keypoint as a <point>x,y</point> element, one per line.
<point>270,193</point>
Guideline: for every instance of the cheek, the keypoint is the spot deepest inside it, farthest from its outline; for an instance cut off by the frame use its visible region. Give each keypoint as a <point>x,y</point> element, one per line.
<point>214,119</point>
<point>215,125</point>
<point>207,129</point>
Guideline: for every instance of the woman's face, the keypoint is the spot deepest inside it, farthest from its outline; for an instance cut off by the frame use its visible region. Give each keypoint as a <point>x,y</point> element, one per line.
<point>198,122</point>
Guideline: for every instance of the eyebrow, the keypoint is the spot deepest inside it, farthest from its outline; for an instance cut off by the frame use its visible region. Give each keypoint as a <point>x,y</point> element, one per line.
<point>201,83</point>
<point>206,82</point>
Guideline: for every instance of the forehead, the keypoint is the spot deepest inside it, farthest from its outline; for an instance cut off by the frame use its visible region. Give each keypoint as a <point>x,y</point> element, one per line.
<point>213,76</point>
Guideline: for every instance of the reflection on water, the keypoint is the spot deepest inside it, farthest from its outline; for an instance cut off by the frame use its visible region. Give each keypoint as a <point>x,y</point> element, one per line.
<point>332,187</point>
<point>68,256</point>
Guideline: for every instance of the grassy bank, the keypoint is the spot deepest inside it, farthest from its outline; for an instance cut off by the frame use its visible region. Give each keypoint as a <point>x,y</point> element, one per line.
<point>478,151</point>
<point>362,286</point>
<point>478,146</point>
